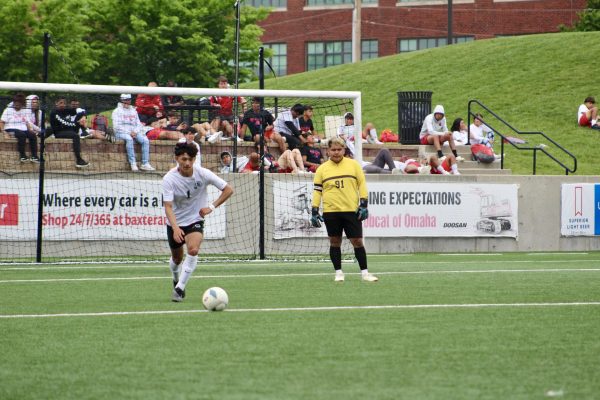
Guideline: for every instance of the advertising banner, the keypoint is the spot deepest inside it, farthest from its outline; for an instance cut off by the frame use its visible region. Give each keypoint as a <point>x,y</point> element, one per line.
<point>580,209</point>
<point>411,210</point>
<point>100,210</point>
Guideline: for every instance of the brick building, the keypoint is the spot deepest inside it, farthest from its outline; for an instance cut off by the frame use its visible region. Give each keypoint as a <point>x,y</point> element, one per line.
<point>310,34</point>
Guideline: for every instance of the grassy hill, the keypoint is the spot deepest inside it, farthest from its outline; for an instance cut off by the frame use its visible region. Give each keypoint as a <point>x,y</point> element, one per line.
<point>536,83</point>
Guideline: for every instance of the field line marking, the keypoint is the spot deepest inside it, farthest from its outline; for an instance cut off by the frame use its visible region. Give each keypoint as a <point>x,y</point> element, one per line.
<point>331,308</point>
<point>291,265</point>
<point>296,275</point>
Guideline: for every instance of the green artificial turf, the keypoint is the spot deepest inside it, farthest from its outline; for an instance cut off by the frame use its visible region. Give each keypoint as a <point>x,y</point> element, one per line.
<point>481,326</point>
<point>534,82</point>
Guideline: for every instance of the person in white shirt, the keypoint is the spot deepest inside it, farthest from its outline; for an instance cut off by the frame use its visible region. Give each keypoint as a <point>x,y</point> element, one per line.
<point>480,133</point>
<point>459,132</point>
<point>185,196</point>
<point>17,121</point>
<point>346,131</point>
<point>587,115</point>
<point>435,132</point>
<point>127,127</point>
<point>287,125</point>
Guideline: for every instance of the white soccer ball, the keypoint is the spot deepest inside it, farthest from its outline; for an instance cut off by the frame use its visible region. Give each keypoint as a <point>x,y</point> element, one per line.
<point>215,299</point>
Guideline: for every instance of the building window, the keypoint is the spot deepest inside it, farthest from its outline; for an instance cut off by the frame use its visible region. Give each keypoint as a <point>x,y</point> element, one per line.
<point>278,60</point>
<point>336,2</point>
<point>326,54</point>
<point>267,3</point>
<point>406,45</point>
<point>369,49</point>
<point>430,2</point>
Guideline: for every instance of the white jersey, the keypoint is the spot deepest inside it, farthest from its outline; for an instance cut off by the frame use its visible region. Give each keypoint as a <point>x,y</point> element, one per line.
<point>189,194</point>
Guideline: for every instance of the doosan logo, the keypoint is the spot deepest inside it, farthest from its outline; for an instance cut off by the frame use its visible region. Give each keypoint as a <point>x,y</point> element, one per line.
<point>455,224</point>
<point>9,209</point>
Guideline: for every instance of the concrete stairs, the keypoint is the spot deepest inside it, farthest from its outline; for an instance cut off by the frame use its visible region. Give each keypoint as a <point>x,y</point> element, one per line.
<point>111,157</point>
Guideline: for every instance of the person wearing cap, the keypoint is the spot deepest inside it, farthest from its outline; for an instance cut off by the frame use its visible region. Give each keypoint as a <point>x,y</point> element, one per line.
<point>435,132</point>
<point>587,115</point>
<point>127,127</point>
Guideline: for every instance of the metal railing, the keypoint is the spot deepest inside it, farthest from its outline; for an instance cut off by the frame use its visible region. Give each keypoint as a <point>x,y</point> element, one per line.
<point>538,148</point>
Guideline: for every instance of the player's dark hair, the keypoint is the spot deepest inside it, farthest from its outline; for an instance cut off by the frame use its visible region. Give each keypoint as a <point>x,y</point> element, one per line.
<point>298,108</point>
<point>186,148</point>
<point>590,99</point>
<point>189,129</point>
<point>456,125</point>
<point>19,98</point>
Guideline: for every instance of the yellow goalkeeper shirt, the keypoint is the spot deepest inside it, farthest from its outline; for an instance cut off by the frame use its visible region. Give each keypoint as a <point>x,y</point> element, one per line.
<point>340,186</point>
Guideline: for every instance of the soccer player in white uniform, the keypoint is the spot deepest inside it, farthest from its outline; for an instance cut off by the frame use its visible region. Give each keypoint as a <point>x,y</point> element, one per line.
<point>185,196</point>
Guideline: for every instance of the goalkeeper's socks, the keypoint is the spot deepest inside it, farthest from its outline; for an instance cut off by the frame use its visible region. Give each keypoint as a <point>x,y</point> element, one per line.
<point>455,153</point>
<point>335,253</point>
<point>175,269</point>
<point>188,267</point>
<point>361,256</point>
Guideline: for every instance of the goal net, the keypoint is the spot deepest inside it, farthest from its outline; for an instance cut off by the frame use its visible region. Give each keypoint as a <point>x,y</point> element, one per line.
<point>58,208</point>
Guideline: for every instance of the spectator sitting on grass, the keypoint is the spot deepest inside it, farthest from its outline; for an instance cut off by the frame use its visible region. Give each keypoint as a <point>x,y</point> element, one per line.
<point>587,115</point>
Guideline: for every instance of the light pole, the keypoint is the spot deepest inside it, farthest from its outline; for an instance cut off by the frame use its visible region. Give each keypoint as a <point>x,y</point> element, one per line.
<point>356,34</point>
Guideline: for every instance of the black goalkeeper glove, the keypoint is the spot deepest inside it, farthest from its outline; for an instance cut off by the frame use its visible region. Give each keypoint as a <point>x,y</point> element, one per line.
<point>363,212</point>
<point>316,218</point>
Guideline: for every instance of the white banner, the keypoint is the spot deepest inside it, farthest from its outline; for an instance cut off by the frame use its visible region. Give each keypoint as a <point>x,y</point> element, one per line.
<point>411,210</point>
<point>580,209</point>
<point>102,209</point>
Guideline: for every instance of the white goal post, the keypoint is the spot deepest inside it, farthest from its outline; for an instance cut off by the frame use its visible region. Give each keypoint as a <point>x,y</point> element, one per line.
<point>353,96</point>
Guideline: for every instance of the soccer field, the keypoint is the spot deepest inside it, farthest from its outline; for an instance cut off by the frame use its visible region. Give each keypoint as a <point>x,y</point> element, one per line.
<point>436,326</point>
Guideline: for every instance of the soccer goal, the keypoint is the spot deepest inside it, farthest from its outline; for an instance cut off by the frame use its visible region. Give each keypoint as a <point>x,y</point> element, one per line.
<point>57,210</point>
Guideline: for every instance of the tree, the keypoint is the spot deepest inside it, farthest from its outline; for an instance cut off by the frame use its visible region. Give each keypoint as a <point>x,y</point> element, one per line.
<point>589,19</point>
<point>126,42</point>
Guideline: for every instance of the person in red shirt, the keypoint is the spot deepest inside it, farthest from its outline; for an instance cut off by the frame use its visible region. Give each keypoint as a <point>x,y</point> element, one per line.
<point>148,105</point>
<point>223,119</point>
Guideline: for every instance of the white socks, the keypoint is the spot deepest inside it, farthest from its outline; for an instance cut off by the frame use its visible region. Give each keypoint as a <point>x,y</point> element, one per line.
<point>188,266</point>
<point>594,122</point>
<point>454,169</point>
<point>364,272</point>
<point>175,269</point>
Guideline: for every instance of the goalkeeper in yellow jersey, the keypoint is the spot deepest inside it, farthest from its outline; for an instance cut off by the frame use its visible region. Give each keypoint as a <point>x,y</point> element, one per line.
<point>340,183</point>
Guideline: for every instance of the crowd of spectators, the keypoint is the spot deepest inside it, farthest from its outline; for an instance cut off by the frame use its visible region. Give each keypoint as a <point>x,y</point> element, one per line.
<point>152,117</point>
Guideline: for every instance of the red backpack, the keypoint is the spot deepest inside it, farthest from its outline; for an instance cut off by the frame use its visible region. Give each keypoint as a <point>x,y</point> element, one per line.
<point>100,123</point>
<point>481,153</point>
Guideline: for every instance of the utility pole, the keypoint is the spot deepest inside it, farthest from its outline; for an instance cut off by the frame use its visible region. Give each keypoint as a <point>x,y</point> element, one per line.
<point>356,34</point>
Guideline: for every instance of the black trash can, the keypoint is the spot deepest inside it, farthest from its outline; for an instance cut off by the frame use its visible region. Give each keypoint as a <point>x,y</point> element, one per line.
<point>413,107</point>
